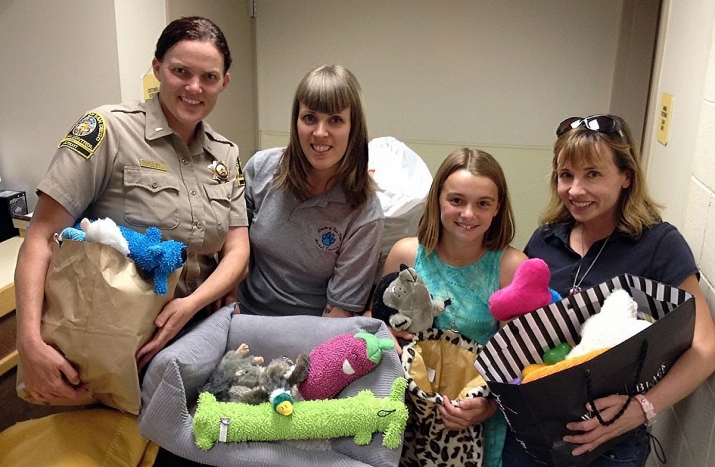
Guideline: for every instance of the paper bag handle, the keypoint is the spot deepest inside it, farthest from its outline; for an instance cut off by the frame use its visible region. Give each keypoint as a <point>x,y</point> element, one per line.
<point>589,394</point>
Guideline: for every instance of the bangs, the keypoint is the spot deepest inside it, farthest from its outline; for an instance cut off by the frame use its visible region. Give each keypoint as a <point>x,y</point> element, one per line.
<point>325,93</point>
<point>587,149</point>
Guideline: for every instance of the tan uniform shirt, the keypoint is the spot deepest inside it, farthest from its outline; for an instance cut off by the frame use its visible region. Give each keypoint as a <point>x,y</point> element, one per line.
<point>124,162</point>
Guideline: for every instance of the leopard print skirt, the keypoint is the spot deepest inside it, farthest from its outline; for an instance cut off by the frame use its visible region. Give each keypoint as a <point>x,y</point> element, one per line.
<point>427,441</point>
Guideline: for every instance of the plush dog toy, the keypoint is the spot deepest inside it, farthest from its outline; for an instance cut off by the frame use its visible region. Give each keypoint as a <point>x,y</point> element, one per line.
<point>529,290</point>
<point>616,322</point>
<point>154,258</point>
<point>404,303</point>
<point>341,360</point>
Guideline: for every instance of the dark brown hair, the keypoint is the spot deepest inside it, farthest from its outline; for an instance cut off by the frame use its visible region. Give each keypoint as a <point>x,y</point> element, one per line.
<point>192,28</point>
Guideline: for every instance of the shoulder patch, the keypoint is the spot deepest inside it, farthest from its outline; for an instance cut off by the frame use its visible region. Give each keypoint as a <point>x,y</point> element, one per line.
<point>239,174</point>
<point>86,135</point>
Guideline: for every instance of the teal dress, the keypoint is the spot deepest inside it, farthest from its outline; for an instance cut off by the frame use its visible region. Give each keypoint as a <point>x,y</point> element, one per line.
<point>469,288</point>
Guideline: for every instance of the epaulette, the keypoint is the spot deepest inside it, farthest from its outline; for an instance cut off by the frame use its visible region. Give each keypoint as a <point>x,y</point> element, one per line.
<point>222,141</point>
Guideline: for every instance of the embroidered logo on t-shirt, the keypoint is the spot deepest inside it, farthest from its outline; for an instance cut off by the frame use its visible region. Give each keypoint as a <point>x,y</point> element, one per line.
<point>329,238</point>
<point>86,135</point>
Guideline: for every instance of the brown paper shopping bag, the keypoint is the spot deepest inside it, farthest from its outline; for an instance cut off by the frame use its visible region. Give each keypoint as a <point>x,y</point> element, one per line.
<point>98,312</point>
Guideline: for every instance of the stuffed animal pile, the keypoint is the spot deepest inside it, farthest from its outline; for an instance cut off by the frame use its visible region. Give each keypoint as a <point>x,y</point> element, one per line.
<point>242,390</point>
<point>153,257</point>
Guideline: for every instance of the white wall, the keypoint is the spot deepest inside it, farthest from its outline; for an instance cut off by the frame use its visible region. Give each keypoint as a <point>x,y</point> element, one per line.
<point>57,60</point>
<point>139,24</point>
<point>682,175</point>
<point>683,57</point>
<point>499,76</point>
<point>464,70</point>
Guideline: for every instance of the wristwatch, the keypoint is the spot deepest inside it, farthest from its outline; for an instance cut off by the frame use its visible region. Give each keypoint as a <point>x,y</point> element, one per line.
<point>648,409</point>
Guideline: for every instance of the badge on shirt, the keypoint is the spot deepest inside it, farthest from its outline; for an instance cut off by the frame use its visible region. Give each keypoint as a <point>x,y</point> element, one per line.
<point>328,238</point>
<point>86,135</point>
<point>239,174</point>
<point>219,171</point>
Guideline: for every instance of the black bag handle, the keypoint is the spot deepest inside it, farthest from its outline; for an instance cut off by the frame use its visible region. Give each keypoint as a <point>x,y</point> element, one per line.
<point>641,362</point>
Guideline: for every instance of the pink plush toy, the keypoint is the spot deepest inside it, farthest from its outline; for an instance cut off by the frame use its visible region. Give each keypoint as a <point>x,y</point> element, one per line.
<point>528,291</point>
<point>339,361</point>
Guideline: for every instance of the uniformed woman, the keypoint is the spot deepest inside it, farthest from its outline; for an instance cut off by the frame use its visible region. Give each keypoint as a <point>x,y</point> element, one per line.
<point>144,164</point>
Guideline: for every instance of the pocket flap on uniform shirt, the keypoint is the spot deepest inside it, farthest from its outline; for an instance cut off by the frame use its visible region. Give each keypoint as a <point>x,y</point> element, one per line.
<point>220,192</point>
<point>149,179</point>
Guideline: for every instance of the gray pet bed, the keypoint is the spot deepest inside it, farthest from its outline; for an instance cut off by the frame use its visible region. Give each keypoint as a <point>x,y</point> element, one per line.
<point>176,373</point>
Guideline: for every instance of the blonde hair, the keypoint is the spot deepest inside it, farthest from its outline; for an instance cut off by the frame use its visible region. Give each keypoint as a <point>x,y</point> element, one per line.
<point>480,163</point>
<point>329,89</point>
<point>636,209</point>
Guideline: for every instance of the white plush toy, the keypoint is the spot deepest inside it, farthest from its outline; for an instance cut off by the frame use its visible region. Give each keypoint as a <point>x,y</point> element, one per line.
<point>107,232</point>
<point>616,322</point>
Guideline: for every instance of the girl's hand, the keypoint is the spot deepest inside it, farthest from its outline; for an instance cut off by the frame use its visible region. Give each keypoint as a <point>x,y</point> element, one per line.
<point>470,411</point>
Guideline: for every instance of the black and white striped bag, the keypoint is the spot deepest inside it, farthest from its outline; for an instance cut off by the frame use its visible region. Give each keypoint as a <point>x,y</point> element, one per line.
<point>538,411</point>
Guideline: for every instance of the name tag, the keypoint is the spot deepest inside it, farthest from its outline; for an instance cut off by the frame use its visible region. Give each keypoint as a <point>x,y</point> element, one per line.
<point>154,165</point>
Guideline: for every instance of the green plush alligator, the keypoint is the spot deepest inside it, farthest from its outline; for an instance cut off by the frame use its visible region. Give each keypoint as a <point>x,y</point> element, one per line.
<point>359,416</point>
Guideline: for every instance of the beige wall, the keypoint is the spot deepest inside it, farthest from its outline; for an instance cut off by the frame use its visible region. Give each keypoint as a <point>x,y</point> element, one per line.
<point>500,73</point>
<point>682,175</point>
<point>139,24</point>
<point>439,75</point>
<point>57,60</point>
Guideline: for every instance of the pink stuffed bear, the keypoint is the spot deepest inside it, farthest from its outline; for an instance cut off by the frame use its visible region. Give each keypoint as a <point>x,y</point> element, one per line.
<point>528,291</point>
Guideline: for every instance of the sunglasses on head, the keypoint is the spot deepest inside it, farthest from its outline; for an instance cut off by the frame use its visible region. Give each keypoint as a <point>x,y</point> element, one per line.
<point>600,123</point>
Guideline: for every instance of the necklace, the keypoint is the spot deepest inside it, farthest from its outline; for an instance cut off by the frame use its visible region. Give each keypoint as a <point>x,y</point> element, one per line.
<point>576,287</point>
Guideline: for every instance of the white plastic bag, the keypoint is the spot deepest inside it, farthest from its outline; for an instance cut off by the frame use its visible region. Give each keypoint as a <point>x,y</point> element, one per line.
<point>403,181</point>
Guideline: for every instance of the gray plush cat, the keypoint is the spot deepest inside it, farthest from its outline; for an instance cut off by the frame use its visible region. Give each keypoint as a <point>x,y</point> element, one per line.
<point>236,368</point>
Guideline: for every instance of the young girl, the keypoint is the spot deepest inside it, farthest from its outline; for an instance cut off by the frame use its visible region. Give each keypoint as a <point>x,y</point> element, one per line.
<point>462,253</point>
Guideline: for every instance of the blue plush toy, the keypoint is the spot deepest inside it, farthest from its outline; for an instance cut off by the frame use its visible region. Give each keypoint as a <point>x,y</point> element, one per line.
<point>152,256</point>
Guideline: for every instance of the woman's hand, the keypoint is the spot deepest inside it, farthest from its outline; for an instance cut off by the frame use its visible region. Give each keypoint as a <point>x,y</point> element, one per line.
<point>471,411</point>
<point>173,317</point>
<point>593,434</point>
<point>48,375</point>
